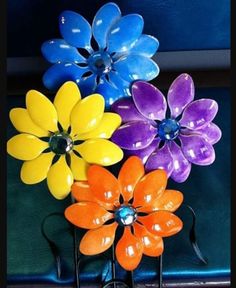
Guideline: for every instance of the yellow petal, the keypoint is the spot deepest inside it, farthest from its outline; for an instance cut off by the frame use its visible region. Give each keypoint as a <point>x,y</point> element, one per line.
<point>25,147</point>
<point>60,179</point>
<point>36,170</point>
<point>21,120</point>
<point>41,110</point>
<point>109,123</point>
<point>78,167</point>
<point>87,114</point>
<point>66,98</point>
<point>100,151</point>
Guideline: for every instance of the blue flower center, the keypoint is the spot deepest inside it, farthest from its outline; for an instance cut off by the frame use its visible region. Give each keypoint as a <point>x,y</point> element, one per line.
<point>168,129</point>
<point>100,62</point>
<point>61,143</point>
<point>125,215</point>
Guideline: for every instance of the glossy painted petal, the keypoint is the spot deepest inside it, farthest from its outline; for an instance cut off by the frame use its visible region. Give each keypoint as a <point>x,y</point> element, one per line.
<point>149,100</point>
<point>180,94</point>
<point>197,150</point>
<point>211,132</point>
<point>181,166</point>
<point>21,120</point>
<point>106,16</point>
<point>120,83</point>
<point>100,151</point>
<point>153,245</point>
<point>87,85</point>
<point>122,36</point>
<point>151,186</point>
<point>41,110</point>
<point>60,179</point>
<point>199,113</point>
<point>130,173</point>
<point>78,167</point>
<point>160,159</point>
<point>129,68</point>
<point>66,98</point>
<point>98,240</point>
<point>162,223</point>
<point>129,250</point>
<point>88,215</point>
<point>87,114</point>
<point>58,50</point>
<point>134,135</point>
<point>36,170</point>
<point>146,45</point>
<point>25,147</point>
<point>75,29</point>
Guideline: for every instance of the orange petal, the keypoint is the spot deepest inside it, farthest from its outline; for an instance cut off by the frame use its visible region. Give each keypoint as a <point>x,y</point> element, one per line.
<point>98,240</point>
<point>152,245</point>
<point>88,215</point>
<point>129,250</point>
<point>130,173</point>
<point>162,223</point>
<point>149,188</point>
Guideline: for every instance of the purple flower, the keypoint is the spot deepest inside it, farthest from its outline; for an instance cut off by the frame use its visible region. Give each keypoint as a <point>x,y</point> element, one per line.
<point>172,139</point>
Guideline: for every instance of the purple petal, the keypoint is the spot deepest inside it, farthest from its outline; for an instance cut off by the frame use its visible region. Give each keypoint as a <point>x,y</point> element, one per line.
<point>134,135</point>
<point>180,94</point>
<point>199,113</point>
<point>160,159</point>
<point>211,132</point>
<point>149,100</point>
<point>197,150</point>
<point>181,166</point>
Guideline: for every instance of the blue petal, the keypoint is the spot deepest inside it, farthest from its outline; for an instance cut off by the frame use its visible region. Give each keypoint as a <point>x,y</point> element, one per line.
<point>124,33</point>
<point>87,85</point>
<point>146,45</point>
<point>75,29</point>
<point>57,50</point>
<point>57,74</point>
<point>136,67</point>
<point>120,83</point>
<point>106,16</point>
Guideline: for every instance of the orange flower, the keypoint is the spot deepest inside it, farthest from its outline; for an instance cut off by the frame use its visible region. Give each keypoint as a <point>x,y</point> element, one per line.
<point>137,202</point>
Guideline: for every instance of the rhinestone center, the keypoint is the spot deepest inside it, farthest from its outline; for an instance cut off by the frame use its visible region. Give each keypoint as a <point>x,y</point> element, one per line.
<point>125,215</point>
<point>61,143</point>
<point>168,129</point>
<point>100,62</point>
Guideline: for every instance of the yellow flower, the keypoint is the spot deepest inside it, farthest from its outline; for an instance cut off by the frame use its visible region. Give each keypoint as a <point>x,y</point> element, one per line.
<point>59,140</point>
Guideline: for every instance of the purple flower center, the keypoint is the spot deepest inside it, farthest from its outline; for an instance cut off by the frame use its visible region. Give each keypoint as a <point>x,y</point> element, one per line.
<point>100,62</point>
<point>125,215</point>
<point>168,129</point>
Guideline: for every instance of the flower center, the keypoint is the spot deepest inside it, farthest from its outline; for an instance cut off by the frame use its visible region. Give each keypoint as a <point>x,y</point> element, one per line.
<point>168,129</point>
<point>100,62</point>
<point>61,143</point>
<point>125,215</point>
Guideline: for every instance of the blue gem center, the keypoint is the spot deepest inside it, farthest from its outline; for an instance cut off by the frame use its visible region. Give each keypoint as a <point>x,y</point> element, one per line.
<point>125,215</point>
<point>100,62</point>
<point>168,129</point>
<point>61,143</point>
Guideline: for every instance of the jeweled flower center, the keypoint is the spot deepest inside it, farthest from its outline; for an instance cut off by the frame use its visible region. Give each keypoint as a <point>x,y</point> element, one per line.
<point>125,215</point>
<point>61,143</point>
<point>168,129</point>
<point>100,62</point>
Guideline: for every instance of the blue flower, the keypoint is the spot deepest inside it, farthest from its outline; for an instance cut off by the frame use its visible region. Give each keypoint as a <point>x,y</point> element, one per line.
<point>122,55</point>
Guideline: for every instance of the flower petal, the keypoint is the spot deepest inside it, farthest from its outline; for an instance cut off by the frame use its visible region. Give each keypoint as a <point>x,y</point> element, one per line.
<point>153,245</point>
<point>36,170</point>
<point>87,114</point>
<point>134,135</point>
<point>197,149</point>
<point>122,35</point>
<point>199,113</point>
<point>106,16</point>
<point>25,147</point>
<point>151,186</point>
<point>98,240</point>
<point>60,179</point>
<point>146,45</point>
<point>180,94</point>
<point>120,83</point>
<point>78,167</point>
<point>88,215</point>
<point>130,173</point>
<point>162,223</point>
<point>129,68</point>
<point>66,98</point>
<point>100,151</point>
<point>21,120</point>
<point>149,100</point>
<point>129,250</point>
<point>211,132</point>
<point>75,29</point>
<point>88,84</point>
<point>58,50</point>
<point>41,110</point>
